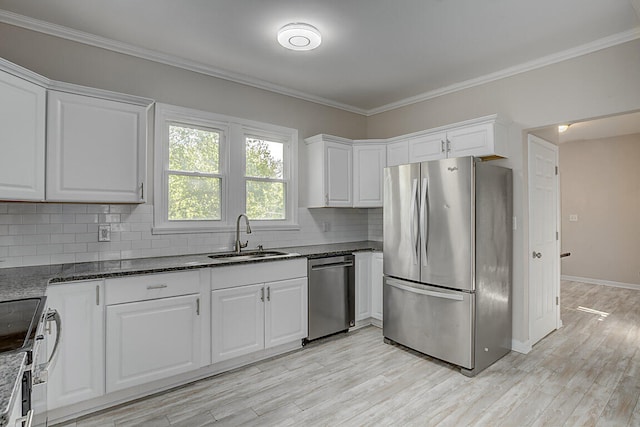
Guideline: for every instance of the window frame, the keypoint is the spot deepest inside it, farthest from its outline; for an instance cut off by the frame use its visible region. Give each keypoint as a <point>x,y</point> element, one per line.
<point>232,169</point>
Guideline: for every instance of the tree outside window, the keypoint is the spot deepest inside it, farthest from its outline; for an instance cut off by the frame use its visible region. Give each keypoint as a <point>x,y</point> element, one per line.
<point>265,184</point>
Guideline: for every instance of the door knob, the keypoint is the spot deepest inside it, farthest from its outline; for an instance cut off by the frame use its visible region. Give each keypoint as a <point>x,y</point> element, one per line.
<point>537,254</point>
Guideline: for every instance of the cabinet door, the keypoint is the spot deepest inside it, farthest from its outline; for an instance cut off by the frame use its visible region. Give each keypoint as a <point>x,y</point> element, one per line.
<point>151,340</point>
<point>427,147</point>
<point>376,286</point>
<point>471,141</point>
<point>286,311</point>
<point>363,285</point>
<point>96,149</point>
<point>369,162</point>
<point>338,175</point>
<point>237,321</point>
<point>22,133</point>
<point>77,373</point>
<point>398,153</point>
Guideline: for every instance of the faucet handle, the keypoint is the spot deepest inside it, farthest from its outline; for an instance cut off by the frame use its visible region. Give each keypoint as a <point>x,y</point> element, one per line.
<point>244,245</point>
<point>260,248</point>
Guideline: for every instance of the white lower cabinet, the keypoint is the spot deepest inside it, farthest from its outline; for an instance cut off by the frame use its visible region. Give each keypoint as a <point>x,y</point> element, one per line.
<point>77,373</point>
<point>250,318</point>
<point>376,285</point>
<point>151,340</point>
<point>154,328</point>
<point>369,276</point>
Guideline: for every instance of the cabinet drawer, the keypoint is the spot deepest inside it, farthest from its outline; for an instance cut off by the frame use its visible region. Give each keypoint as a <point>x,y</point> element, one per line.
<point>151,286</point>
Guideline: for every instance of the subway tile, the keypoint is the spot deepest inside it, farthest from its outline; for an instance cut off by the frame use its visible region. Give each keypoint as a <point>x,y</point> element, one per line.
<point>109,256</point>
<point>4,230</point>
<point>19,230</point>
<point>36,219</point>
<point>36,260</point>
<point>20,208</point>
<point>63,238</point>
<point>10,219</point>
<point>86,218</point>
<point>74,247</point>
<point>49,228</point>
<point>86,237</point>
<point>8,262</point>
<point>145,208</point>
<point>36,239</point>
<point>98,209</point>
<point>48,208</point>
<point>141,244</point>
<point>22,250</point>
<point>62,218</point>
<point>74,208</point>
<point>4,252</point>
<point>3,208</point>
<point>63,258</point>
<point>10,240</point>
<point>107,218</point>
<point>120,209</point>
<point>155,244</point>
<point>87,257</point>
<point>75,228</point>
<point>49,249</point>
<point>131,235</point>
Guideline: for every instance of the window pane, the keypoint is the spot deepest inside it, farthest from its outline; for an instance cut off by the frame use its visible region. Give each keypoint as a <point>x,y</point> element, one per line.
<point>265,200</point>
<point>194,198</point>
<point>264,158</point>
<point>193,150</point>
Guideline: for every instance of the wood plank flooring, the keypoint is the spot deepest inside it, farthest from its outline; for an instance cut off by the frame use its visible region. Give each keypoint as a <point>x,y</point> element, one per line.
<point>585,374</point>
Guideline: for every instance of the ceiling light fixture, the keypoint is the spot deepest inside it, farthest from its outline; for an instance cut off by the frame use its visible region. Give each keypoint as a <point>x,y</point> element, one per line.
<point>299,36</point>
<point>563,128</point>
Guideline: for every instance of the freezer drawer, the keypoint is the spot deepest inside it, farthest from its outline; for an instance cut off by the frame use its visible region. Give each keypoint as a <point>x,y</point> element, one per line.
<point>434,321</point>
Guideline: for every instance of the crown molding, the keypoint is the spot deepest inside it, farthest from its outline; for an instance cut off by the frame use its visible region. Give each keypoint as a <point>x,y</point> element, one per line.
<point>176,61</point>
<point>584,49</point>
<point>163,58</point>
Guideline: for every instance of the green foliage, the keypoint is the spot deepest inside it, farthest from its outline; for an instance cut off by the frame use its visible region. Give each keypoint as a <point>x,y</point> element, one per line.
<point>193,150</point>
<point>265,199</point>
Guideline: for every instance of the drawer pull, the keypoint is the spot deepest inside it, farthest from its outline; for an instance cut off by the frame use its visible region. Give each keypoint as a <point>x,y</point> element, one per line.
<point>156,286</point>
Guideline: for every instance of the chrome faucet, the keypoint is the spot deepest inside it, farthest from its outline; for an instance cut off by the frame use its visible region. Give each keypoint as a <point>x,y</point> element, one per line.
<point>239,245</point>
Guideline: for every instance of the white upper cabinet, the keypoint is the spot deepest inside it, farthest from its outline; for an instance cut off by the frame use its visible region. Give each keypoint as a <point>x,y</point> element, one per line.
<point>485,139</point>
<point>330,179</point>
<point>369,161</point>
<point>22,138</point>
<point>398,153</point>
<point>431,146</point>
<point>96,149</point>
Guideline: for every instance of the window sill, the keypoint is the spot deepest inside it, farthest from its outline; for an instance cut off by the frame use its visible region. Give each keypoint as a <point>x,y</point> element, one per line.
<point>224,229</point>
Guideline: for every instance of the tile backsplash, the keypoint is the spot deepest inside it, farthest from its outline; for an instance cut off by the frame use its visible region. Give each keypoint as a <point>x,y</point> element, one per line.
<point>55,233</point>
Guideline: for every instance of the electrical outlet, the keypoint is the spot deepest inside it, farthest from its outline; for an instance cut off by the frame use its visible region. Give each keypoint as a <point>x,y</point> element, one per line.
<point>104,233</point>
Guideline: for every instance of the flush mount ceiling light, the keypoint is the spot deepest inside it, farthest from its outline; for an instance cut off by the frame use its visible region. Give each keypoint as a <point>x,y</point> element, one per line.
<point>563,128</point>
<point>299,36</point>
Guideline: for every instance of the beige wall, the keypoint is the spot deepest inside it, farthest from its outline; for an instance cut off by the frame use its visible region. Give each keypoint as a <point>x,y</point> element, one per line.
<point>600,182</point>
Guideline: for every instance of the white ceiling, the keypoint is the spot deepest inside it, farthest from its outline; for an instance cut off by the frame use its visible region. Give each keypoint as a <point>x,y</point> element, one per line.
<point>375,54</point>
<point>607,127</point>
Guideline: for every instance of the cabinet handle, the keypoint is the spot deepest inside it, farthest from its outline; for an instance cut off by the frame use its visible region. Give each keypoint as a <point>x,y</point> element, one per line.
<point>198,307</point>
<point>442,145</point>
<point>448,145</point>
<point>142,190</point>
<point>262,294</point>
<point>326,199</point>
<point>268,293</point>
<point>97,294</point>
<point>156,286</point>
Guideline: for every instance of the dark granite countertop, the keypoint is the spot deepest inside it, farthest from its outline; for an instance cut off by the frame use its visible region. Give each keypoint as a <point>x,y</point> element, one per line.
<point>27,282</point>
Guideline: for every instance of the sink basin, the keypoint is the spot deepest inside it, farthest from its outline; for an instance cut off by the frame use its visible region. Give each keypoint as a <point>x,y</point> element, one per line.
<point>249,255</point>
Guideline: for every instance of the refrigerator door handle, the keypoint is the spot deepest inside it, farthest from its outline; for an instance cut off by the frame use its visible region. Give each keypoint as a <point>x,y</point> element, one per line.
<point>424,222</point>
<point>399,285</point>
<point>414,233</point>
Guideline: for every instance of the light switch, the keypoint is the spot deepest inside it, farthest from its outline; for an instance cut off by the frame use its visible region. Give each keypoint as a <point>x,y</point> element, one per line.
<point>573,218</point>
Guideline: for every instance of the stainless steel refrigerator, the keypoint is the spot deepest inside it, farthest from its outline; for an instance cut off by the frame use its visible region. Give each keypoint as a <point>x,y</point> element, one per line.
<point>448,260</point>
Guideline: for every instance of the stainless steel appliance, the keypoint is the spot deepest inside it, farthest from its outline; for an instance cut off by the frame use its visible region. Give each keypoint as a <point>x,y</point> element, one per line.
<point>447,260</point>
<point>331,295</point>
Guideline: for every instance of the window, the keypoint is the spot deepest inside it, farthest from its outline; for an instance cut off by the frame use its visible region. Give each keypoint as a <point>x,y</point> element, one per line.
<point>211,168</point>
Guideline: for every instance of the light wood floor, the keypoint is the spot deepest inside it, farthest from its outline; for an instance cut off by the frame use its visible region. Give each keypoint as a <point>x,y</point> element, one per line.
<point>587,373</point>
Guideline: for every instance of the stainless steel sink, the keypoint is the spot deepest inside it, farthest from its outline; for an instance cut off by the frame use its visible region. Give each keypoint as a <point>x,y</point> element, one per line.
<point>249,255</point>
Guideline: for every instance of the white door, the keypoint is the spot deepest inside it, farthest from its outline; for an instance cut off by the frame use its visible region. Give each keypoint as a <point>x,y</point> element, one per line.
<point>285,312</point>
<point>151,340</point>
<point>77,373</point>
<point>544,248</point>
<point>96,149</point>
<point>237,321</point>
<point>22,133</point>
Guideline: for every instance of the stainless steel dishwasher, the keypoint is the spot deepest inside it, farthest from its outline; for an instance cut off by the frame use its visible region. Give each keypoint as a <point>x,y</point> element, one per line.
<point>331,295</point>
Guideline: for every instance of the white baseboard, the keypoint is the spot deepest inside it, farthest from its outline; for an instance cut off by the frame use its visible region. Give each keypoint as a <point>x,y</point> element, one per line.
<point>601,282</point>
<point>520,347</point>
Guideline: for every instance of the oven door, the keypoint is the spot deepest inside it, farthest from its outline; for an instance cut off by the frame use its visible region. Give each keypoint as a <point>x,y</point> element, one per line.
<point>45,351</point>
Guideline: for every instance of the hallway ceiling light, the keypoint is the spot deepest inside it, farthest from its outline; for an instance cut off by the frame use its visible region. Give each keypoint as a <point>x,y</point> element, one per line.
<point>563,128</point>
<point>299,36</point>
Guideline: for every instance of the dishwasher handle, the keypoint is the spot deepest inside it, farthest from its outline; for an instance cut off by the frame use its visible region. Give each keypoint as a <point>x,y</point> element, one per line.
<point>341,264</point>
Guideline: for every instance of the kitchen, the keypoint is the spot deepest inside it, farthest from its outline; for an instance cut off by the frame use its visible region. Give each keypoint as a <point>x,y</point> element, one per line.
<point>530,99</point>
